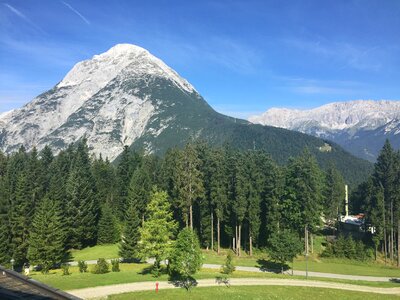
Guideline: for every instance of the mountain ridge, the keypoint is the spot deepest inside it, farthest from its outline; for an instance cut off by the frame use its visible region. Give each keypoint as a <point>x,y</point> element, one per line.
<point>360,126</point>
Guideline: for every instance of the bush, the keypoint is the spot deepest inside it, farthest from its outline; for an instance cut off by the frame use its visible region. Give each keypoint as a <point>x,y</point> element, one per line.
<point>347,248</point>
<point>82,266</point>
<point>65,269</point>
<point>101,267</point>
<point>115,265</point>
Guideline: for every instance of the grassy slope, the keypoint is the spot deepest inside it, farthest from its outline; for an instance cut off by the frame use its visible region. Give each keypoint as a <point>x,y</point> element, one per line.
<point>93,253</point>
<point>253,292</point>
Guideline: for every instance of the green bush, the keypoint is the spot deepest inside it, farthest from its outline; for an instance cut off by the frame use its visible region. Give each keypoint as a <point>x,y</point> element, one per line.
<point>347,248</point>
<point>65,269</point>
<point>82,266</point>
<point>115,265</point>
<point>101,267</point>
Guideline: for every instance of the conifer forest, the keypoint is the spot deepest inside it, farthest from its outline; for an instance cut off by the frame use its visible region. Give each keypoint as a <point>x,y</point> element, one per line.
<point>50,203</point>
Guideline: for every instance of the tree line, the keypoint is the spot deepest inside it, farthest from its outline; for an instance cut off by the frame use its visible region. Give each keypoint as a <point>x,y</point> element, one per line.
<point>238,199</point>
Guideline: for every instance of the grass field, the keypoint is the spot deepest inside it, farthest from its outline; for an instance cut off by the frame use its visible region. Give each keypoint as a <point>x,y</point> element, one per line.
<point>93,253</point>
<point>252,292</point>
<point>139,272</point>
<point>260,259</point>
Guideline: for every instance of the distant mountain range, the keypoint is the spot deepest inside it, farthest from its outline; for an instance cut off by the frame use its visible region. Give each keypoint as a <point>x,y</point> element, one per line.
<point>126,96</point>
<point>361,127</point>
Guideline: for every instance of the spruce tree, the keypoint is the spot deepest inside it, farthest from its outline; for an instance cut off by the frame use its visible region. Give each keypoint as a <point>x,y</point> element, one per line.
<point>107,227</point>
<point>139,190</point>
<point>128,248</point>
<point>333,193</point>
<point>190,182</point>
<point>82,207</point>
<point>47,236</point>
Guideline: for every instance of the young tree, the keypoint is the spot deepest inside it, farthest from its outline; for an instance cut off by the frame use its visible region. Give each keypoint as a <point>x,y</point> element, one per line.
<point>186,257</point>
<point>158,230</point>
<point>228,267</point>
<point>128,248</point>
<point>47,236</point>
<point>284,246</point>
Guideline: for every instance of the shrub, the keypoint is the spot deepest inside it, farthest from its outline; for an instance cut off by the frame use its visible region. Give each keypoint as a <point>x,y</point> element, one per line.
<point>82,266</point>
<point>65,269</point>
<point>101,267</point>
<point>115,265</point>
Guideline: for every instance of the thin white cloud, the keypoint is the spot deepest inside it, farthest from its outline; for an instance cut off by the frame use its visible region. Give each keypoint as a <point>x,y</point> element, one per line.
<point>22,16</point>
<point>346,54</point>
<point>76,12</point>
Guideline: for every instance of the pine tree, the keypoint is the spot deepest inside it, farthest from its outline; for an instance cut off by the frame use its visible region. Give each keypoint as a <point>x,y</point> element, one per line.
<point>47,236</point>
<point>4,221</point>
<point>130,237</point>
<point>190,182</point>
<point>21,212</point>
<point>82,207</point>
<point>107,227</point>
<point>158,230</point>
<point>139,190</point>
<point>333,193</point>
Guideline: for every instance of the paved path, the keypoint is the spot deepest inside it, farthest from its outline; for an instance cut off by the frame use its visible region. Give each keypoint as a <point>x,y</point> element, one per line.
<point>289,272</point>
<point>103,291</point>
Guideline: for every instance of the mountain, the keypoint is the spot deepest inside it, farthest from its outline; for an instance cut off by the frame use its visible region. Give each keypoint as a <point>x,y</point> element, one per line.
<point>361,127</point>
<point>126,96</point>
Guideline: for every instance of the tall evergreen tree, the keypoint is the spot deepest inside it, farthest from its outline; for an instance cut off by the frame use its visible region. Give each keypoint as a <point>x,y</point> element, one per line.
<point>130,237</point>
<point>107,227</point>
<point>190,182</point>
<point>139,190</point>
<point>47,236</point>
<point>333,193</point>
<point>82,207</point>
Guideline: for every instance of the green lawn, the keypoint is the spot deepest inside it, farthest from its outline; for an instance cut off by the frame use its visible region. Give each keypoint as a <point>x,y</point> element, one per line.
<point>138,272</point>
<point>93,253</point>
<point>252,292</point>
<point>326,265</point>
<point>260,259</point>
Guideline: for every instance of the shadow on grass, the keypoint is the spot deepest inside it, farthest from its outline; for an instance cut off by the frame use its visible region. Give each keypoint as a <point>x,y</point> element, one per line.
<point>270,266</point>
<point>394,280</point>
<point>223,280</point>
<point>183,282</point>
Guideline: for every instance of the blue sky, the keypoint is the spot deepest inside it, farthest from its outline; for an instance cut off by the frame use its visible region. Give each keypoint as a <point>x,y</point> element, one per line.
<point>242,56</point>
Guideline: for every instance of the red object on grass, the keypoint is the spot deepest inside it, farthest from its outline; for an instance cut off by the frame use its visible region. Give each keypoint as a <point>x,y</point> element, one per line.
<point>156,287</point>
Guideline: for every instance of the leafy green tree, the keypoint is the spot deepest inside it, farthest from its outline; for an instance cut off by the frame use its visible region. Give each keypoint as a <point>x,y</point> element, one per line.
<point>186,256</point>
<point>158,230</point>
<point>128,248</point>
<point>47,236</point>
<point>284,246</point>
<point>108,232</point>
